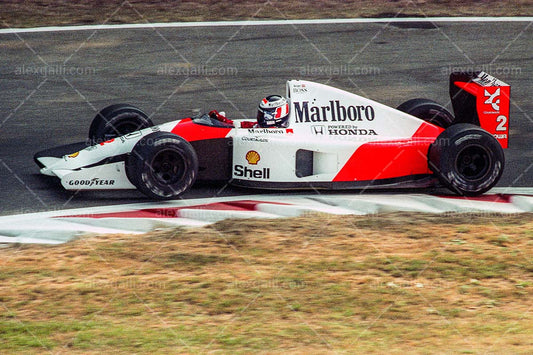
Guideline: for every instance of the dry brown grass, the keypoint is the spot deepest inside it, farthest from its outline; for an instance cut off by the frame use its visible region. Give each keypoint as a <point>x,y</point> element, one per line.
<point>398,283</point>
<point>17,13</point>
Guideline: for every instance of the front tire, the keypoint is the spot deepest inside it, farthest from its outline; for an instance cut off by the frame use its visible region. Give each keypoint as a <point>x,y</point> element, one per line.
<point>117,120</point>
<point>467,159</point>
<point>429,111</point>
<point>162,165</point>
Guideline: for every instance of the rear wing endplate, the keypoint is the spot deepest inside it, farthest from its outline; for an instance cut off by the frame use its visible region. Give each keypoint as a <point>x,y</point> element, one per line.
<point>481,99</point>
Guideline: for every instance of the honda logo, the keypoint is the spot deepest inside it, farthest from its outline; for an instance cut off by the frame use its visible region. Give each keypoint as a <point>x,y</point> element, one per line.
<point>318,129</point>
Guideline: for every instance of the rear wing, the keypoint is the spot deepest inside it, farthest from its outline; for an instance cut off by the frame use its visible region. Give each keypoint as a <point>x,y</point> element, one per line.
<point>483,100</point>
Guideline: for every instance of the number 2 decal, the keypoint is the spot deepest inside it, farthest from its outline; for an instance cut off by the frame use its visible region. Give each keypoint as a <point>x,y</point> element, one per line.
<point>502,121</point>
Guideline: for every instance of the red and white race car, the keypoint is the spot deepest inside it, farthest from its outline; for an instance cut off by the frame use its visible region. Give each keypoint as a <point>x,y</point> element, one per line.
<point>334,140</point>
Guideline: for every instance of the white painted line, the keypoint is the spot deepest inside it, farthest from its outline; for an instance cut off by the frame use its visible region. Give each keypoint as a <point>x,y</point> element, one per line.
<point>525,203</point>
<point>513,190</point>
<point>30,240</point>
<point>215,216</point>
<point>140,225</point>
<point>262,23</point>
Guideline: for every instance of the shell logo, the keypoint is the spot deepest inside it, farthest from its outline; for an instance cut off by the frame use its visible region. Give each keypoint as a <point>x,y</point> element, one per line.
<point>74,155</point>
<point>253,157</point>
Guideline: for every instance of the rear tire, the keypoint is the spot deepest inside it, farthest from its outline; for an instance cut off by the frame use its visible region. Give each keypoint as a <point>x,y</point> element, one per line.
<point>467,159</point>
<point>117,120</point>
<point>429,111</point>
<point>162,165</point>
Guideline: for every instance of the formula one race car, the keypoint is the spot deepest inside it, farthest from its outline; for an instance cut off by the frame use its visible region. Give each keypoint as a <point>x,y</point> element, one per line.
<point>332,139</point>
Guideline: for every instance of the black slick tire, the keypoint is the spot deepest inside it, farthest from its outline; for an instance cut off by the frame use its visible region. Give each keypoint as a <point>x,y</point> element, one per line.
<point>162,165</point>
<point>429,111</point>
<point>117,120</point>
<point>467,159</point>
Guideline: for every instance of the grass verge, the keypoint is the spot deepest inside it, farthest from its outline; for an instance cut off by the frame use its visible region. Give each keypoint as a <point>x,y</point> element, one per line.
<point>390,283</point>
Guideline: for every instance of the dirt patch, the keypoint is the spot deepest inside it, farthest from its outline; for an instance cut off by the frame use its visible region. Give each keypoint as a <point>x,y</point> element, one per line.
<point>16,13</point>
<point>388,283</point>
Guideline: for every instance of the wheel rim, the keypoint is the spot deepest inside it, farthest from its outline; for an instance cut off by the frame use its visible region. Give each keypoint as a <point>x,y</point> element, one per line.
<point>168,166</point>
<point>473,162</point>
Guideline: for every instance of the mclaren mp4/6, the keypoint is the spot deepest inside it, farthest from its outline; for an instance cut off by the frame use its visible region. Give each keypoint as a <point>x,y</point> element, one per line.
<point>333,139</point>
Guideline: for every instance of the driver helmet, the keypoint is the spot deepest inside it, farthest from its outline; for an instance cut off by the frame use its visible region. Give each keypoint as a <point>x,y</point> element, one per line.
<point>273,111</point>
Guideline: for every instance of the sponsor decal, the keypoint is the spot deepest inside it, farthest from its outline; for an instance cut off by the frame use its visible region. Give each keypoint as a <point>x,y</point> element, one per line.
<point>270,131</point>
<point>347,130</point>
<point>91,182</point>
<point>334,112</point>
<point>318,129</point>
<point>485,79</point>
<point>243,171</point>
<point>493,99</point>
<point>342,130</point>
<point>253,157</point>
<point>299,88</point>
<point>73,155</point>
<point>254,139</point>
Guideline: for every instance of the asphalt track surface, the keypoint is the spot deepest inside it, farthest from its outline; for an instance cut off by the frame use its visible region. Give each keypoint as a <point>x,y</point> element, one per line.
<point>52,84</point>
